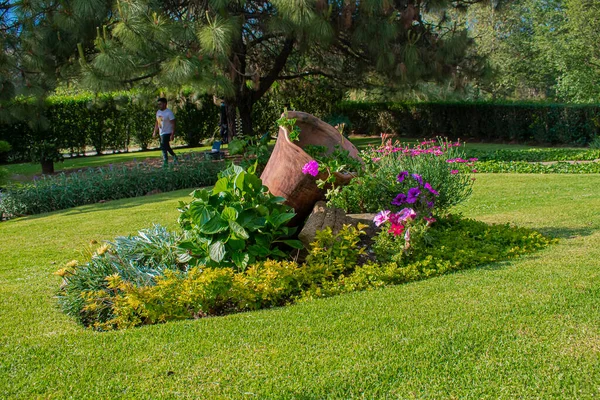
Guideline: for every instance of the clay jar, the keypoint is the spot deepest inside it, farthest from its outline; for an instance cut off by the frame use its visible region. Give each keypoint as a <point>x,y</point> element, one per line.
<point>283,173</point>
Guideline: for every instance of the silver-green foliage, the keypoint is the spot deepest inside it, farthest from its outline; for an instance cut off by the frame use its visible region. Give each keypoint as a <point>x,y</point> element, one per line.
<point>137,259</point>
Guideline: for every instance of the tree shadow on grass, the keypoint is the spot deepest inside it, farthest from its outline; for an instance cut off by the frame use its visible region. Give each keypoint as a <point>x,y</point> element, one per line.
<point>119,204</point>
<point>565,233</point>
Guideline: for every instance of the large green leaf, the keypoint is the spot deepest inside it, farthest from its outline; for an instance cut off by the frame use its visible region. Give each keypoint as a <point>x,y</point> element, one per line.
<point>280,219</point>
<point>217,251</point>
<point>229,213</point>
<point>238,183</point>
<point>222,185</point>
<point>253,183</point>
<point>296,244</point>
<point>201,194</point>
<point>258,250</point>
<point>239,231</point>
<point>215,225</point>
<point>236,245</point>
<point>240,259</point>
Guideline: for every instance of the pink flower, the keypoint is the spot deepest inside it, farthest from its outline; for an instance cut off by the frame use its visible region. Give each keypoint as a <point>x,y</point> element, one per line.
<point>474,170</point>
<point>311,168</point>
<point>406,213</point>
<point>454,172</point>
<point>382,217</point>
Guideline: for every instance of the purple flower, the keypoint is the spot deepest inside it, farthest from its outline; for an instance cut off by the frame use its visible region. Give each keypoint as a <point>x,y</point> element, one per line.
<point>432,190</point>
<point>311,168</point>
<point>382,217</point>
<point>401,176</point>
<point>430,204</point>
<point>418,178</point>
<point>413,195</point>
<point>406,213</point>
<point>399,200</point>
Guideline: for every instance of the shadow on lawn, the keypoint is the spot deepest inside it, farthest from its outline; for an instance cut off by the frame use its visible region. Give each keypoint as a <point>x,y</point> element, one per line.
<point>565,233</point>
<point>119,204</point>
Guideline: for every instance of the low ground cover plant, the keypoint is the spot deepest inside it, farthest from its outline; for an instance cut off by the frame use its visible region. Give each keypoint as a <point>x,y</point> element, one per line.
<point>63,191</point>
<point>222,261</point>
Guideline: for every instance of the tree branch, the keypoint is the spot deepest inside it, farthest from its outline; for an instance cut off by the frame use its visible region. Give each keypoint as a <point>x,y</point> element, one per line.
<point>278,65</point>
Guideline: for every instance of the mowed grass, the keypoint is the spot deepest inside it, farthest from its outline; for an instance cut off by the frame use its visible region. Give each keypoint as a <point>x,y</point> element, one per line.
<point>528,328</point>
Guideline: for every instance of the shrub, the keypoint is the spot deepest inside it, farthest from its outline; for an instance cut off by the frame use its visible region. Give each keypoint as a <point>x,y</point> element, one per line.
<point>451,244</point>
<point>379,183</point>
<point>523,167</point>
<point>63,191</point>
<point>522,122</point>
<point>535,155</point>
<point>236,223</point>
<point>138,260</point>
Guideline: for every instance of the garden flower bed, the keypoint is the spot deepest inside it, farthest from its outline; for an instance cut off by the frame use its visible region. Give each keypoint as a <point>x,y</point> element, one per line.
<point>235,252</point>
<point>93,185</point>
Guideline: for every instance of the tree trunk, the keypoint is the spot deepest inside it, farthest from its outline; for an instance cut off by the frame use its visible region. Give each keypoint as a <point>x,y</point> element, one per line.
<point>47,167</point>
<point>246,118</point>
<point>231,119</point>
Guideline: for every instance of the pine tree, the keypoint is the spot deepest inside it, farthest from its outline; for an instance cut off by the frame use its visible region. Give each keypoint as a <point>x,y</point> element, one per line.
<point>39,41</point>
<point>238,49</point>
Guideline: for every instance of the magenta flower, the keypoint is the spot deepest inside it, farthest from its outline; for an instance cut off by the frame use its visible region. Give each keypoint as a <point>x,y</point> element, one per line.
<point>413,195</point>
<point>454,172</point>
<point>418,178</point>
<point>399,200</point>
<point>396,230</point>
<point>382,217</point>
<point>401,176</point>
<point>430,220</point>
<point>311,168</point>
<point>432,190</point>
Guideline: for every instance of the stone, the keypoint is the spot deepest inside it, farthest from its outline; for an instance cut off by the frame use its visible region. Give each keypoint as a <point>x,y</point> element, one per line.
<point>322,217</point>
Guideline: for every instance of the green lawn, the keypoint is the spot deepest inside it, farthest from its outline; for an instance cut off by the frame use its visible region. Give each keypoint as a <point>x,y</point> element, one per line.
<point>522,329</point>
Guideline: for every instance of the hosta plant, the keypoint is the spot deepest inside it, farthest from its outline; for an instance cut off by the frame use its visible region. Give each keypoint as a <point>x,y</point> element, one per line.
<point>236,222</point>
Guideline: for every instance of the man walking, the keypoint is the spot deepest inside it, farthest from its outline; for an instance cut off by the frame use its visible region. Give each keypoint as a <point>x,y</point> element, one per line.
<point>165,125</point>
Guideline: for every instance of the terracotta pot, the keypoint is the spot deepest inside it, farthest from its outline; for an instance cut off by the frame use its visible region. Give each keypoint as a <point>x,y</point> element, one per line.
<point>283,173</point>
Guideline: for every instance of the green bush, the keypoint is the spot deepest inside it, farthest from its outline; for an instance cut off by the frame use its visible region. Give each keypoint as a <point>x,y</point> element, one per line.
<point>236,223</point>
<point>378,184</point>
<point>521,122</point>
<point>63,191</point>
<point>524,167</point>
<point>138,260</point>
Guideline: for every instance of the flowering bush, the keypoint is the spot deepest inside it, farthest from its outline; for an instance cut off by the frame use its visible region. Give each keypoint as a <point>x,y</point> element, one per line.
<point>413,171</point>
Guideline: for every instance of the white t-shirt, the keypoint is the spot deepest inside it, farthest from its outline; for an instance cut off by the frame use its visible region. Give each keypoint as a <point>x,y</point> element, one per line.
<point>166,121</point>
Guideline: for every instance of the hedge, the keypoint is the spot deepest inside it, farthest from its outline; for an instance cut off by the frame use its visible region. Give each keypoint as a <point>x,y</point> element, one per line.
<point>108,121</point>
<point>534,123</point>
